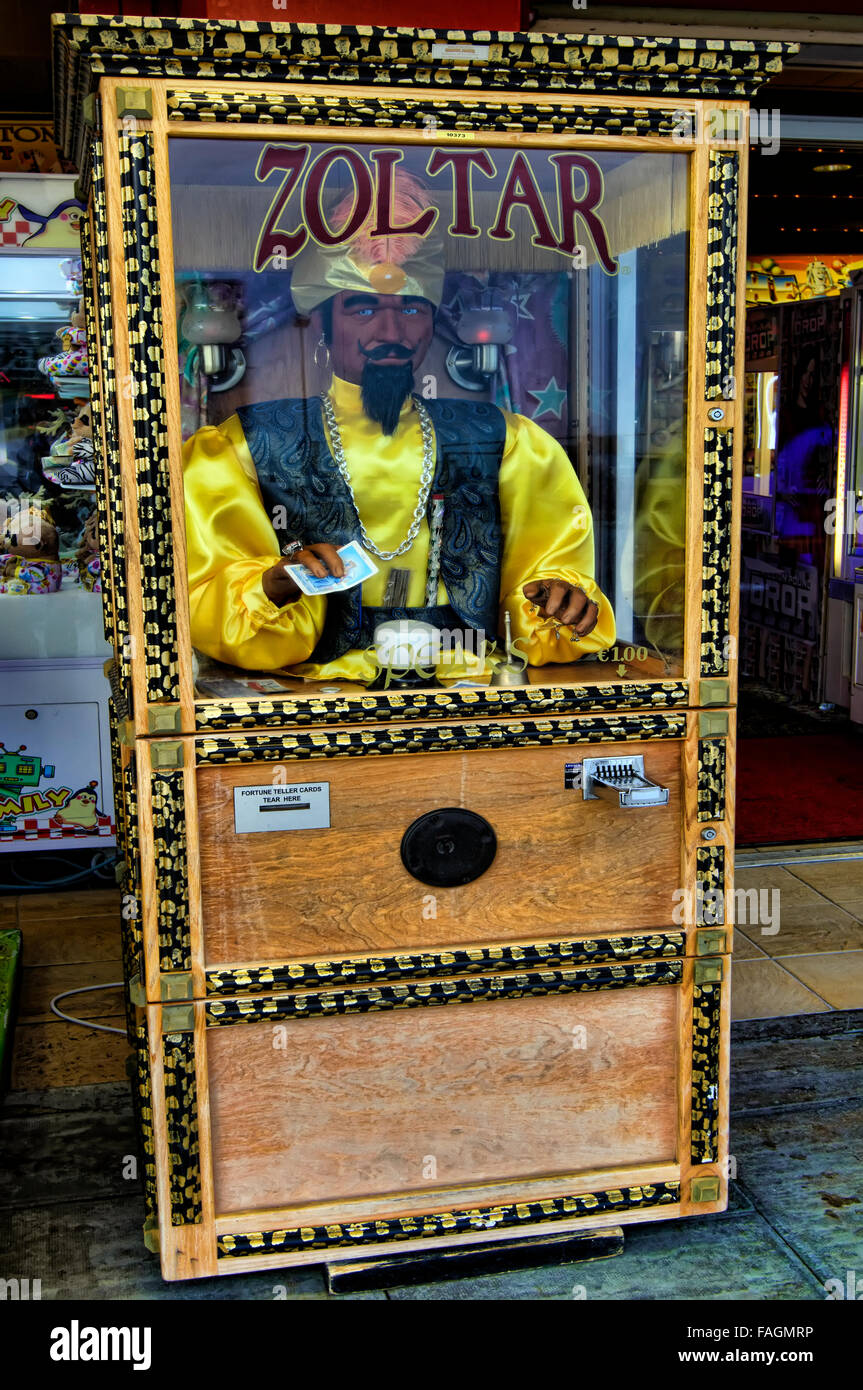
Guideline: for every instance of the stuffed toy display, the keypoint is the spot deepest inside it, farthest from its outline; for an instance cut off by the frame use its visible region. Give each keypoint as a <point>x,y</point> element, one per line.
<point>87,556</point>
<point>29,549</point>
<point>70,460</point>
<point>67,370</point>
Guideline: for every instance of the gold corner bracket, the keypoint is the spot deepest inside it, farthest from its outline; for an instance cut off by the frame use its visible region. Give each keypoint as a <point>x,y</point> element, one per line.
<point>714,692</point>
<point>126,733</point>
<point>167,755</point>
<point>151,1235</point>
<point>178,1018</point>
<point>164,719</point>
<point>705,1189</point>
<point>712,725</point>
<point>708,972</point>
<point>176,984</point>
<point>710,941</point>
<point>136,102</point>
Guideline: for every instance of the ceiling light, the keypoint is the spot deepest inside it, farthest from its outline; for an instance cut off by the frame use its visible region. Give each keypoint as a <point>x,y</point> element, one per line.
<point>830,168</point>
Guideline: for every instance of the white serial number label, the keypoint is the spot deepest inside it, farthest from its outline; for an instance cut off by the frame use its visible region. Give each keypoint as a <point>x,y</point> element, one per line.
<point>295,806</point>
<point>452,52</point>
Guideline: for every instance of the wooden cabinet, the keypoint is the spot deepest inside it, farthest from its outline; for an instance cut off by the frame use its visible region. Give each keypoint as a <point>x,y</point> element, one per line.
<point>358,1021</point>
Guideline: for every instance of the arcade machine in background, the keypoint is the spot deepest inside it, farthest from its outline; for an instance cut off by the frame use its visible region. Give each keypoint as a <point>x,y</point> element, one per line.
<point>844,648</point>
<point>797,556</point>
<point>55,769</point>
<point>791,415</point>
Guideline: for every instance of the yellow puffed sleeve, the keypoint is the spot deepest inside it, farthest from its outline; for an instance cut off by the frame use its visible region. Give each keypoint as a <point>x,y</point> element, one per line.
<point>660,546</point>
<point>548,530</point>
<point>230,543</point>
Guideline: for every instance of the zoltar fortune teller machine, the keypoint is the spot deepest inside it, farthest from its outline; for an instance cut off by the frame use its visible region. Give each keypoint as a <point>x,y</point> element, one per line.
<point>415,360</point>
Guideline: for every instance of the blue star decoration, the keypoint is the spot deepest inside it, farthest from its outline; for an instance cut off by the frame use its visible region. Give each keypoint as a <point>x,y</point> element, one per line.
<point>519,300</point>
<point>550,398</point>
<point>454,306</point>
<point>601,404</point>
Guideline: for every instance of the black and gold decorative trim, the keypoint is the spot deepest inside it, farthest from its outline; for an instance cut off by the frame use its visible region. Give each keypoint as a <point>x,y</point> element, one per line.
<point>438,704</point>
<point>87,46</point>
<point>131,935</point>
<point>169,854</point>
<point>142,1103</point>
<point>716,565</point>
<point>482,990</point>
<point>711,779</point>
<point>706,1007</point>
<point>402,112</point>
<point>120,826</point>
<point>181,1115</point>
<point>88,278</point>
<point>460,1221</point>
<point>710,873</point>
<point>118,694</point>
<point>426,964</point>
<point>721,284</point>
<point>240,748</point>
<point>149,420</point>
<point>112,524</point>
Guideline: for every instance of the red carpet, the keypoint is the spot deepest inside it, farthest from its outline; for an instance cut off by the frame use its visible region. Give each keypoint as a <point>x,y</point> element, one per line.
<point>809,787</point>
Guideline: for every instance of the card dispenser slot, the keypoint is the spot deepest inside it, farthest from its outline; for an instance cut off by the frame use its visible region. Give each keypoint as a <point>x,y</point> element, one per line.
<point>620,781</point>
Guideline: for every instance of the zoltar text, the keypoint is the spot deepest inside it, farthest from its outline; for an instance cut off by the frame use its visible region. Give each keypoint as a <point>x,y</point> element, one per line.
<point>577,183</point>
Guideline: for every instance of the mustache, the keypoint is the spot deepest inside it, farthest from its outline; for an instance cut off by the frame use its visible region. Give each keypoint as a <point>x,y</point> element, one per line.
<point>386,350</point>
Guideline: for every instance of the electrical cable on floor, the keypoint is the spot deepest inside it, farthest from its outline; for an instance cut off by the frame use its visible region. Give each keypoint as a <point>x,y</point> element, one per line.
<point>84,1022</point>
<point>97,867</point>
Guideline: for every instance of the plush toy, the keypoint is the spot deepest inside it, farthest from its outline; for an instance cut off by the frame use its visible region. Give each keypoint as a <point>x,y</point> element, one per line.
<point>70,462</point>
<point>87,557</point>
<point>67,370</point>
<point>29,549</point>
<point>74,273</point>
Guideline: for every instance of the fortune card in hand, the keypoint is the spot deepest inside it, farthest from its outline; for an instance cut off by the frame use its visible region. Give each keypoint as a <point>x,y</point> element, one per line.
<point>358,568</point>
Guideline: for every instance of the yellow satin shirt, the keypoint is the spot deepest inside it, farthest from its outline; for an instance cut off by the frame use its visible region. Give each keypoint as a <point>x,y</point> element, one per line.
<point>547,529</point>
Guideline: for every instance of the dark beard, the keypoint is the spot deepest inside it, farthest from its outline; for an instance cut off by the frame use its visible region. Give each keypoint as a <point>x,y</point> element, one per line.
<point>384,391</point>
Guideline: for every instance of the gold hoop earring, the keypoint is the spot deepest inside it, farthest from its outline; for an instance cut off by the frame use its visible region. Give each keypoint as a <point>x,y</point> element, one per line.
<point>322,354</point>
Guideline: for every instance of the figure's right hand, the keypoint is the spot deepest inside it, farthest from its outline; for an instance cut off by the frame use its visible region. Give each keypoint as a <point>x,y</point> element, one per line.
<point>321,558</point>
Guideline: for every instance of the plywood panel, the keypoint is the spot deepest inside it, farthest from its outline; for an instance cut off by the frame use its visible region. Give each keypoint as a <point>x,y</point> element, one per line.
<point>366,1104</point>
<point>564,865</point>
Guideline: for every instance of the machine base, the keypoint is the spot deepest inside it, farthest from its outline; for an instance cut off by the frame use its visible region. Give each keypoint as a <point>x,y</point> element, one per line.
<point>501,1257</point>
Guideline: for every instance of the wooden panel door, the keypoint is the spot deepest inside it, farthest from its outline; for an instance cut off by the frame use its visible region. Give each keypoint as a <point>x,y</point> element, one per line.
<point>565,867</point>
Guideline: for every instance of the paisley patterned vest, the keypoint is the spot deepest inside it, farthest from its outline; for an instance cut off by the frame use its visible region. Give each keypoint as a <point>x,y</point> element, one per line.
<point>304,492</point>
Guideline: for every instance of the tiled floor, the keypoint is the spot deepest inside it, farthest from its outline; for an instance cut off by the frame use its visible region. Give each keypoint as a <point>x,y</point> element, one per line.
<point>813,963</point>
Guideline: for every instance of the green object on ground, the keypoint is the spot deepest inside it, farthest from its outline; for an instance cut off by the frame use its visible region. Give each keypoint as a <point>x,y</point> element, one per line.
<point>10,959</point>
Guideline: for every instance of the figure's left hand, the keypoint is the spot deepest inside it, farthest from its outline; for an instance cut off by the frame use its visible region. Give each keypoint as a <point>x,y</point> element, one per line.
<point>564,602</point>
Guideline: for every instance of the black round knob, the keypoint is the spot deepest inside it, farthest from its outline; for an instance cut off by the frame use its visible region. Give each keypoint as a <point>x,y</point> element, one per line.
<point>448,847</point>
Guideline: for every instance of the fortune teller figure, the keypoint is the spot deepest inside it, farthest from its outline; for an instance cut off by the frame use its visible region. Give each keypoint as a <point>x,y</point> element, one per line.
<point>473,510</point>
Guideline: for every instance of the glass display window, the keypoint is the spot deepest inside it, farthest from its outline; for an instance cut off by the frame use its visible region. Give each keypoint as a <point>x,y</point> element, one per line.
<point>461,370</point>
<point>47,476</point>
